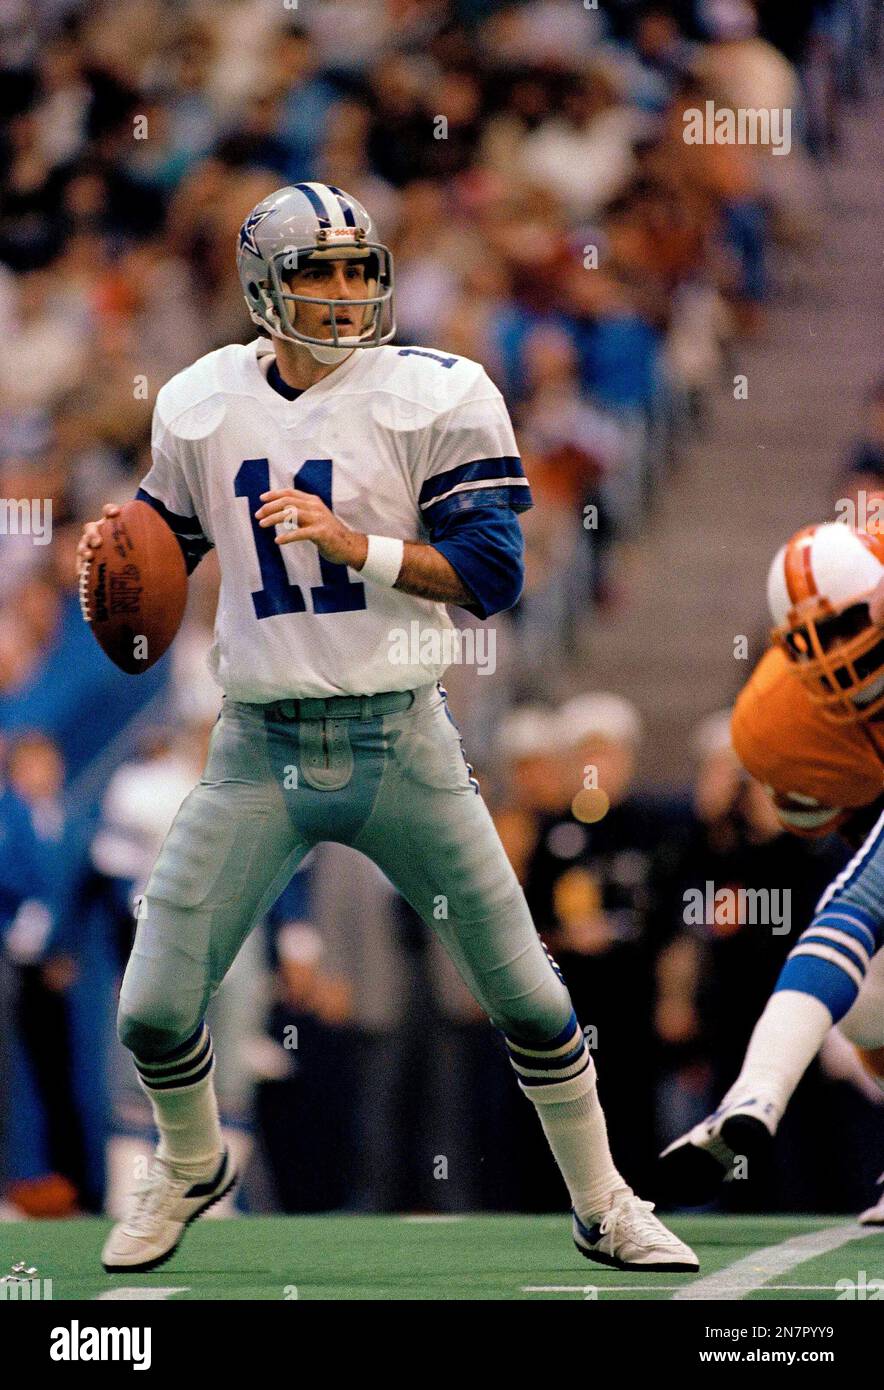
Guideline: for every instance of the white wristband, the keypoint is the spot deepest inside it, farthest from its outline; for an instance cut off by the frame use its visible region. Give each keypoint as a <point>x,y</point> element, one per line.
<point>384,560</point>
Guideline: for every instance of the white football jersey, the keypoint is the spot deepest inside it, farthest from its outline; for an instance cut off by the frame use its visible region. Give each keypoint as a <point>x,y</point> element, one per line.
<point>376,440</point>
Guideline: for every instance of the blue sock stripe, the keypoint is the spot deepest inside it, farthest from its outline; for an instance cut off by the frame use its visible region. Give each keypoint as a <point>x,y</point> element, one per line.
<point>823,951</point>
<point>545,1067</point>
<point>541,1048</point>
<point>180,1051</point>
<point>545,1064</point>
<point>529,1082</point>
<point>548,1059</point>
<point>152,1071</point>
<point>823,979</point>
<point>809,938</point>
<point>848,919</point>
<point>185,1074</point>
<point>544,1051</point>
<point>566,1031</point>
<point>154,1068</point>
<point>179,1082</point>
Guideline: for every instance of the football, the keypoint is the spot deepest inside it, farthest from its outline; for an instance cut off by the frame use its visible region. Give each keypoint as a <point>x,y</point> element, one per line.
<point>133,591</point>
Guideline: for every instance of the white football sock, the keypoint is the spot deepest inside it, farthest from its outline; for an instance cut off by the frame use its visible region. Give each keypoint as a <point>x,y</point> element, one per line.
<point>190,1130</point>
<point>181,1091</point>
<point>785,1040</point>
<point>578,1136</point>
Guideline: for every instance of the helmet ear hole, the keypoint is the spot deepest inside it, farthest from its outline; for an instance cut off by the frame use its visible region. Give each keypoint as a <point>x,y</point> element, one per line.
<point>253,289</point>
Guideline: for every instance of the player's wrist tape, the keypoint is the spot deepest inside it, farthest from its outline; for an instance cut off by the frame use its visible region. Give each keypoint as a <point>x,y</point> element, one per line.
<point>384,560</point>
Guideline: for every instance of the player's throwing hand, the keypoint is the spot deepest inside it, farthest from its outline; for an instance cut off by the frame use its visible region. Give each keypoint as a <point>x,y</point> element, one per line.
<point>313,522</point>
<point>91,537</point>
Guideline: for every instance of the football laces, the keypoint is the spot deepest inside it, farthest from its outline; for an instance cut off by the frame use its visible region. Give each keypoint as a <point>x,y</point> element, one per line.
<point>83,590</point>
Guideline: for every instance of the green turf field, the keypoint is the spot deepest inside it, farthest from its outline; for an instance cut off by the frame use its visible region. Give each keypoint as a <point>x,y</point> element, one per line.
<point>485,1257</point>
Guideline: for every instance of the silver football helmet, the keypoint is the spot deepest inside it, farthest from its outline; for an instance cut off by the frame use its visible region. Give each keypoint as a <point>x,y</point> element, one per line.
<point>313,221</point>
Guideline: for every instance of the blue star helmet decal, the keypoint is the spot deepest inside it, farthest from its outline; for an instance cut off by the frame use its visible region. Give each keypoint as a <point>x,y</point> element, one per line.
<point>247,230</point>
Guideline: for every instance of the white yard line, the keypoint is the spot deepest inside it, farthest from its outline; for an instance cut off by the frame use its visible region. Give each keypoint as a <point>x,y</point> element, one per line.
<point>153,1293</point>
<point>599,1288</point>
<point>753,1271</point>
<point>668,1288</point>
<point>432,1220</point>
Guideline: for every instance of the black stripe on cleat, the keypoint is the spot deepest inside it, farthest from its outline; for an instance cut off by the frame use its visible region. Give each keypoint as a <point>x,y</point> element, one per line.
<point>148,1265</point>
<point>202,1189</point>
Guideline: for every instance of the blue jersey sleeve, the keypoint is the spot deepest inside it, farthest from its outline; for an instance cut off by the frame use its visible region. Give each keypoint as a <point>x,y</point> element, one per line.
<point>484,544</point>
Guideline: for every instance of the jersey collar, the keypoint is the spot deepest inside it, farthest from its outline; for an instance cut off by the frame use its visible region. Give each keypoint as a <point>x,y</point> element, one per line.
<point>280,386</point>
<point>262,348</point>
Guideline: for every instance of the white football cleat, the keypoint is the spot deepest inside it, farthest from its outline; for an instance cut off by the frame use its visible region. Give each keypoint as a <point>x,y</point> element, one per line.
<point>162,1208</point>
<point>874,1216</point>
<point>694,1166</point>
<point>630,1236</point>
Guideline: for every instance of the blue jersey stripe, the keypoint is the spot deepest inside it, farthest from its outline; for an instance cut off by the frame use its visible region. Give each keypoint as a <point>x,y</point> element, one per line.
<point>478,470</point>
<point>500,496</point>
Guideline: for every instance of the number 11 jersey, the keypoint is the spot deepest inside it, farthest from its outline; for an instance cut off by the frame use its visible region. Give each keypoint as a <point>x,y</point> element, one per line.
<point>396,441</point>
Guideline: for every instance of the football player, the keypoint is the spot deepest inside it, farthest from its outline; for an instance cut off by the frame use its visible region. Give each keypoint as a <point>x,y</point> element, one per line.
<point>351,489</point>
<point>809,725</point>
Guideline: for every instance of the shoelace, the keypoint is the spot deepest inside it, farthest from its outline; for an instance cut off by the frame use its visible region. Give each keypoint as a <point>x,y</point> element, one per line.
<point>635,1215</point>
<point>150,1197</point>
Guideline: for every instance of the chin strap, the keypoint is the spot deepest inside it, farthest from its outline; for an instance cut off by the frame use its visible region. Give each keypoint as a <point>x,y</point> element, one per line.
<point>326,355</point>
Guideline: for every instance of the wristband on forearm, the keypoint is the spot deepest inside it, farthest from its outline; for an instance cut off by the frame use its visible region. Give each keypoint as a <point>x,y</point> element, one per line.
<point>384,560</point>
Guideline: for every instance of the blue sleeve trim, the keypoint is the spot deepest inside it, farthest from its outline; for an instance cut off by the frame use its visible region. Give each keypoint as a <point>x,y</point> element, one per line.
<point>510,499</point>
<point>486,547</point>
<point>461,487</point>
<point>187,529</point>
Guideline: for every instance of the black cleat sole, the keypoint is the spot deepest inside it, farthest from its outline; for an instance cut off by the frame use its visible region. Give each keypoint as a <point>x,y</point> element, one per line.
<point>675,1267</point>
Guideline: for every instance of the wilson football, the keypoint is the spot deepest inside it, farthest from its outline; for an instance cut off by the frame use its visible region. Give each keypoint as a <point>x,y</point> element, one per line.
<point>133,591</point>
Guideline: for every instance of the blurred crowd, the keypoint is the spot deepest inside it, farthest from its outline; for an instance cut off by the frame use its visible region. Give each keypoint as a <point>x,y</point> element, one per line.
<point>526,164</point>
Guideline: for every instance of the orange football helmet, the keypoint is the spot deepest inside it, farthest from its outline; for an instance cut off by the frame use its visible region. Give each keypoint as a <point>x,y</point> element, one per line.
<point>818,592</point>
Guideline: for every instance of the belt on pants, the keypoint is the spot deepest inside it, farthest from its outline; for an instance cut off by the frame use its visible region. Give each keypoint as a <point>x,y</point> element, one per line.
<point>342,706</point>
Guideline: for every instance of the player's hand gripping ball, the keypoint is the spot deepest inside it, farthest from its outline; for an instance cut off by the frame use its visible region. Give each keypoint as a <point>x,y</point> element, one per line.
<point>133,584</point>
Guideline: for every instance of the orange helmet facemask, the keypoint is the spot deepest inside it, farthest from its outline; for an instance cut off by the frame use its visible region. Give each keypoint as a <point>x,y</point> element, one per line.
<point>819,587</point>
